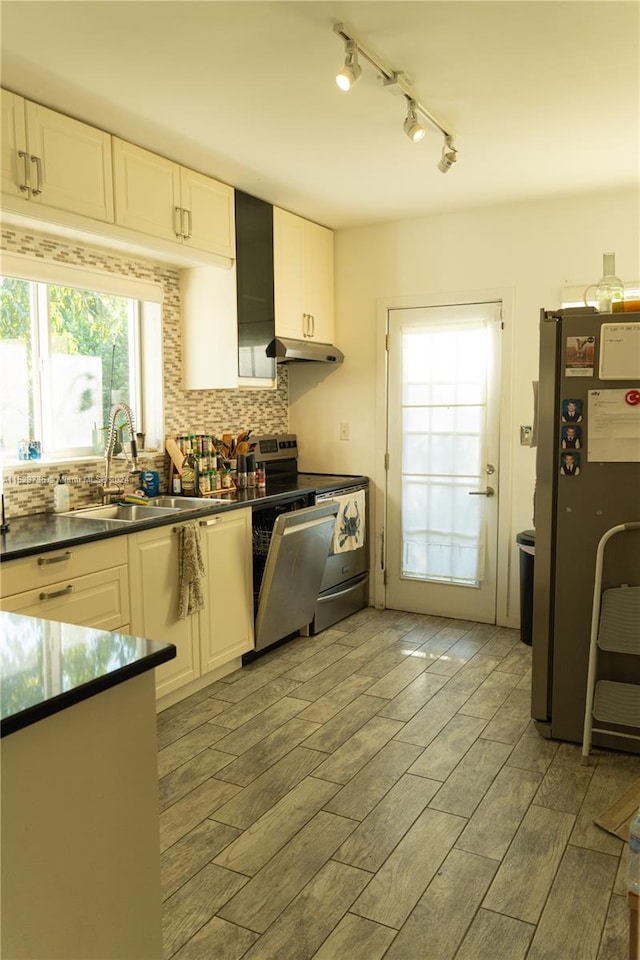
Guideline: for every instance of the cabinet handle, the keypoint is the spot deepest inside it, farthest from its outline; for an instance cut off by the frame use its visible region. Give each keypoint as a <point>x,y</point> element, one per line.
<point>57,593</point>
<point>39,178</point>
<point>312,318</point>
<point>24,187</point>
<point>43,561</point>
<point>209,523</point>
<point>305,324</point>
<point>189,233</point>
<point>177,221</point>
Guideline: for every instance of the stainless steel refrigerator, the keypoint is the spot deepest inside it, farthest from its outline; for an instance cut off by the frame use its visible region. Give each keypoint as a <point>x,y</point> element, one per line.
<point>587,481</point>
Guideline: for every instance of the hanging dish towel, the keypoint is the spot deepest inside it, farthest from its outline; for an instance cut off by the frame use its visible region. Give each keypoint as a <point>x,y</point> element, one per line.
<point>348,533</point>
<point>190,569</point>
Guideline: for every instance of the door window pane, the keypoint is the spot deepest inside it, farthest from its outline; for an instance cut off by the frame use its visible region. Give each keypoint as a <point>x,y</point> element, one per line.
<point>443,416</point>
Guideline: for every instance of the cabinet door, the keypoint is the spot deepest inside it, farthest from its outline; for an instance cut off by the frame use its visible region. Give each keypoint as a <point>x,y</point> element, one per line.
<point>209,328</point>
<point>147,191</point>
<point>319,282</point>
<point>14,138</point>
<point>99,600</point>
<point>153,580</point>
<point>226,623</point>
<point>209,213</point>
<point>288,274</point>
<point>74,170</point>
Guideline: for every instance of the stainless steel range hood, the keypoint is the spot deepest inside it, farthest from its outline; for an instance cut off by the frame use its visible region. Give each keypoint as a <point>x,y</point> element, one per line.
<point>289,351</point>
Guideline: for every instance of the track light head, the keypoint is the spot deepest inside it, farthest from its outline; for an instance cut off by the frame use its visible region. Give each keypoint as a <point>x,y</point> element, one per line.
<point>352,69</point>
<point>449,155</point>
<point>412,126</point>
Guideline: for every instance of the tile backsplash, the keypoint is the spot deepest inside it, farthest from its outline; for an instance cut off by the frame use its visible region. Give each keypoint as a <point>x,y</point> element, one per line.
<point>29,488</point>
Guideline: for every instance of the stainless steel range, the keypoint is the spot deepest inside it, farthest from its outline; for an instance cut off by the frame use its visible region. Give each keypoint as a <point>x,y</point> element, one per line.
<point>344,588</point>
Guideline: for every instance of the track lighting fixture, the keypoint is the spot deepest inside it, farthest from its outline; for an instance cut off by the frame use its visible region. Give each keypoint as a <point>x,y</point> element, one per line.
<point>412,126</point>
<point>397,82</point>
<point>352,69</point>
<point>449,155</point>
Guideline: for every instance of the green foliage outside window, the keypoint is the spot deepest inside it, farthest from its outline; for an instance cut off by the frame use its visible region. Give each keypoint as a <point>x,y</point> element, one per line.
<point>79,322</point>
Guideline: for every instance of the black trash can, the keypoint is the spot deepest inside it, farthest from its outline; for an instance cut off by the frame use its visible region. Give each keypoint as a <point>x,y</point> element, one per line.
<point>526,541</point>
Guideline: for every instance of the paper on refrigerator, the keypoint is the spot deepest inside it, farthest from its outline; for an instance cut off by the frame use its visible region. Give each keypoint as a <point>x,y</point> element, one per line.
<point>614,426</point>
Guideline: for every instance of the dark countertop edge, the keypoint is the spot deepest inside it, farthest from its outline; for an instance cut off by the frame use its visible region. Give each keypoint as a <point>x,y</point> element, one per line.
<point>90,531</point>
<point>40,711</point>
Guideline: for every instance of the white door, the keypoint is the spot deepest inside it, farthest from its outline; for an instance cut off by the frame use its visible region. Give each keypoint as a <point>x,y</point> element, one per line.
<point>442,478</point>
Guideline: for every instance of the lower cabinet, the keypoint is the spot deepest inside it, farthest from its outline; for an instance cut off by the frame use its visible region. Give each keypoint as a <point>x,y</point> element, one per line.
<point>49,586</point>
<point>153,581</point>
<point>226,623</point>
<point>223,630</point>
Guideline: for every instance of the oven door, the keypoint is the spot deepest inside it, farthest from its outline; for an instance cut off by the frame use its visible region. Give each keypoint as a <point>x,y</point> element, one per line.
<point>293,572</point>
<point>353,559</point>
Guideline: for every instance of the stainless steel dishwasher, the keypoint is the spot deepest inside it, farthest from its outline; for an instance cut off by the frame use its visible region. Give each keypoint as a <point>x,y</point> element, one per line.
<point>290,554</point>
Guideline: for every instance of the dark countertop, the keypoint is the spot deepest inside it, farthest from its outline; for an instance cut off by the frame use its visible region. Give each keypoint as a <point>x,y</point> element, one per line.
<point>41,532</point>
<point>46,667</point>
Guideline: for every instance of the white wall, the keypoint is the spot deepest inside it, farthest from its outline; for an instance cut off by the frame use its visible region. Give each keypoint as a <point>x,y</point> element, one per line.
<point>531,249</point>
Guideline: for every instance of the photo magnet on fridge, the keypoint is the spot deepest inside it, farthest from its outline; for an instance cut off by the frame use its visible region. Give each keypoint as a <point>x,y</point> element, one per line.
<point>572,411</point>
<point>571,438</point>
<point>579,356</point>
<point>570,464</point>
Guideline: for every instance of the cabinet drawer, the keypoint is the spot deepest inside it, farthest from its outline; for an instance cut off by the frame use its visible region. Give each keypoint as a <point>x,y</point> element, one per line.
<point>29,573</point>
<point>99,600</point>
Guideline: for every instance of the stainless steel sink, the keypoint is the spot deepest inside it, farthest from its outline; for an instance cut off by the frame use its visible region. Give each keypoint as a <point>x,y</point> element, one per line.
<point>187,503</point>
<point>127,513</point>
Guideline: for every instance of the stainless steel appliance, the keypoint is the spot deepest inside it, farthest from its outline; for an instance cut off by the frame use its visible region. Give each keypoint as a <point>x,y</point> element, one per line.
<point>342,587</point>
<point>587,481</point>
<point>345,585</point>
<point>298,546</point>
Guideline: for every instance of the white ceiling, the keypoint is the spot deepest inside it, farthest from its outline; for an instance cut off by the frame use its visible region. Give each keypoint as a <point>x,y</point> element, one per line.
<point>542,96</point>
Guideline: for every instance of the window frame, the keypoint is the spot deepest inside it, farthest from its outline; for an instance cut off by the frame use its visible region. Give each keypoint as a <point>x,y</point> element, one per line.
<point>144,334</point>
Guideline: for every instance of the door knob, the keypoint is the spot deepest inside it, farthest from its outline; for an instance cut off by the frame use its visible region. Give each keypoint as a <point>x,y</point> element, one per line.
<point>489,492</point>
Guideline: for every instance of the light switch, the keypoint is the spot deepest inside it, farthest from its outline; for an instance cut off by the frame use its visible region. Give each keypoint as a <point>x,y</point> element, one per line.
<point>525,436</point>
<point>345,431</point>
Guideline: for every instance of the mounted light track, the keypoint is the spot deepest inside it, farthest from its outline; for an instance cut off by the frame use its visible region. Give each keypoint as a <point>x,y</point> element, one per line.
<point>396,81</point>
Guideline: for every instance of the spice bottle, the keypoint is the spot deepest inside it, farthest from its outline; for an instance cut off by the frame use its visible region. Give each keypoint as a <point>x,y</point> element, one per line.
<point>190,480</point>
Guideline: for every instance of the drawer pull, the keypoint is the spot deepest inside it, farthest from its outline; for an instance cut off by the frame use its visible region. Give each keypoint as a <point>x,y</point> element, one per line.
<point>63,556</point>
<point>209,523</point>
<point>57,593</point>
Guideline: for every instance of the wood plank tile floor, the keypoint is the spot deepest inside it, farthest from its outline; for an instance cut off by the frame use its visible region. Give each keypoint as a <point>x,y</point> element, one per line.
<point>380,791</point>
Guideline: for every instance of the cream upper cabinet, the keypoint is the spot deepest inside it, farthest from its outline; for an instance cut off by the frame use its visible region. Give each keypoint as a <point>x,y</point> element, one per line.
<point>160,198</point>
<point>52,160</point>
<point>226,623</point>
<point>209,328</point>
<point>303,278</point>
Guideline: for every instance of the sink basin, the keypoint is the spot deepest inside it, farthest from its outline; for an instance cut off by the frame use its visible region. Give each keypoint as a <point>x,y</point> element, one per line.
<point>128,513</point>
<point>186,503</point>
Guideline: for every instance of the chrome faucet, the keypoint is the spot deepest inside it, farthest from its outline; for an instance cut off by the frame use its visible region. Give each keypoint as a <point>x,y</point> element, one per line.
<point>109,490</point>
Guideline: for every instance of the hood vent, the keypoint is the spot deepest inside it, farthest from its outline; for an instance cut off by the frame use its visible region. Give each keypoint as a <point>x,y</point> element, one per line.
<point>290,351</point>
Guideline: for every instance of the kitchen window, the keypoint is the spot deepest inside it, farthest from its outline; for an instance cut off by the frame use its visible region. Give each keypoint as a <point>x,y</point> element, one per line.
<point>68,351</point>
